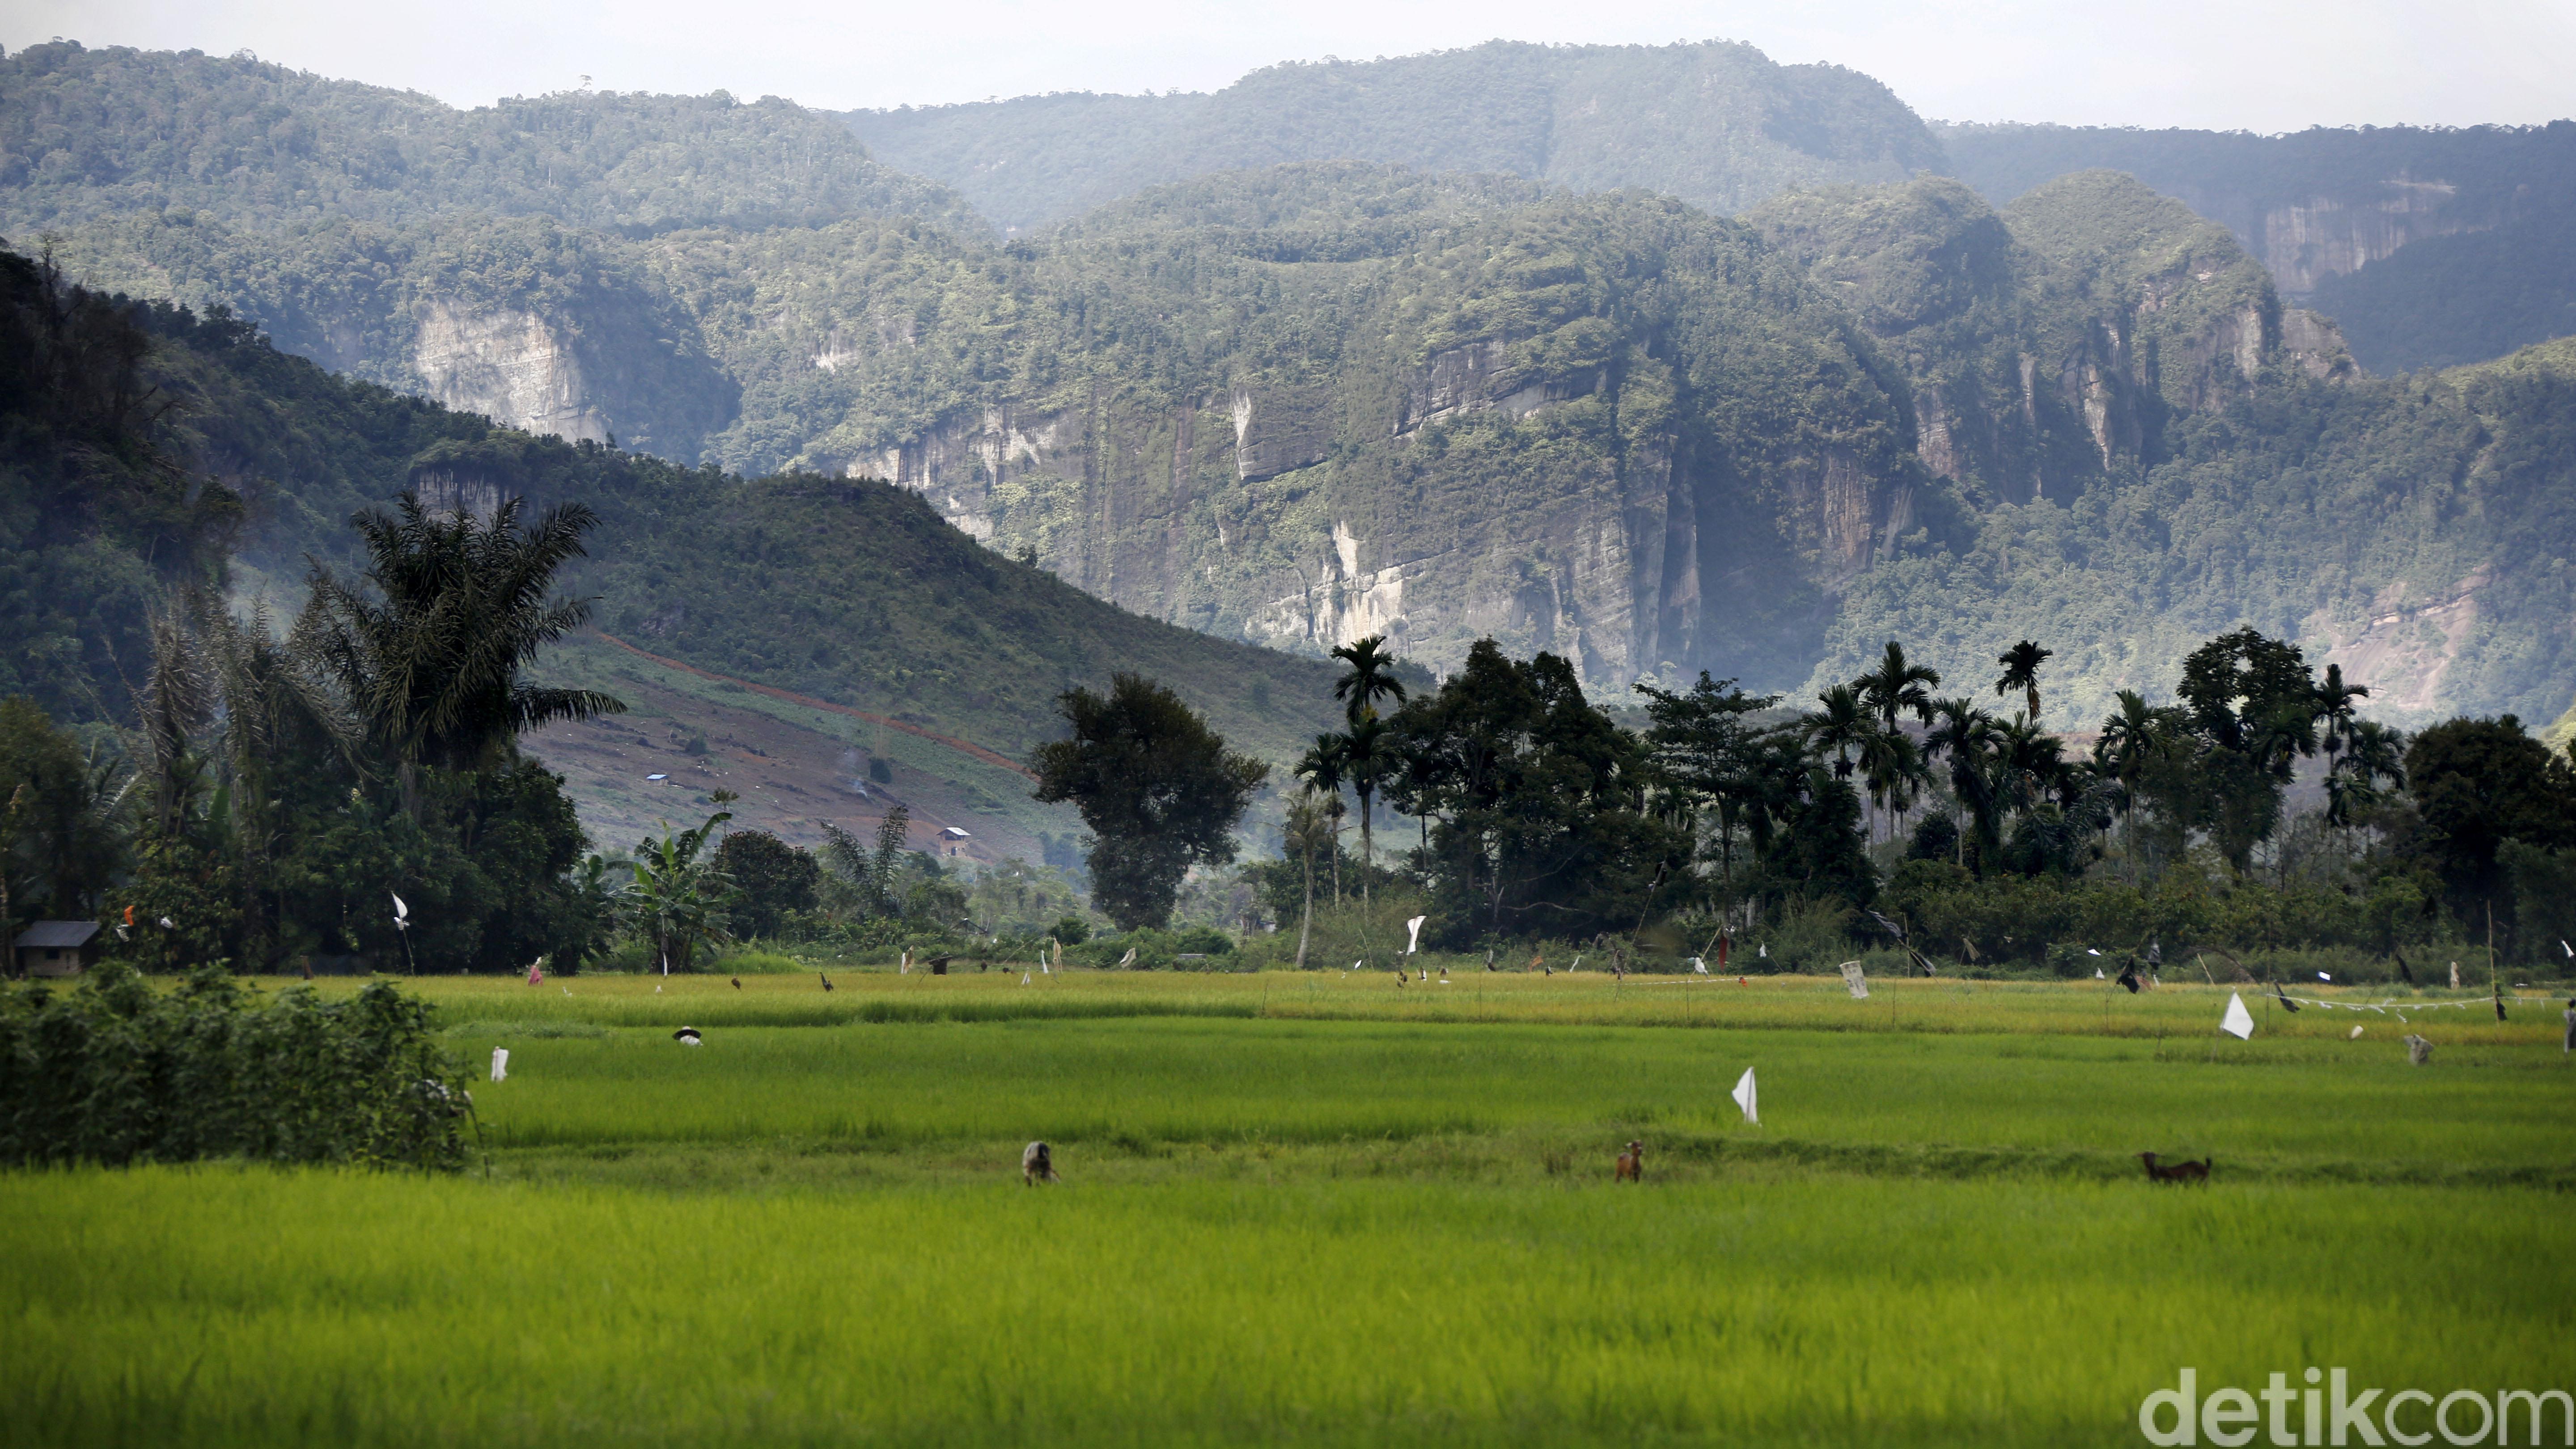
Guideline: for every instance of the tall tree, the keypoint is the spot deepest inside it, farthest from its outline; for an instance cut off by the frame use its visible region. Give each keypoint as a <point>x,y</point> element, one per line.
<point>1965,736</point>
<point>2021,671</point>
<point>1309,830</point>
<point>2476,784</point>
<point>1705,744</point>
<point>430,654</point>
<point>1367,748</point>
<point>1158,788</point>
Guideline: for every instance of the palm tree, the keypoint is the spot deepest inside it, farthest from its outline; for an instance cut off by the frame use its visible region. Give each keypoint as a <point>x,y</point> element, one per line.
<point>430,658</point>
<point>1965,735</point>
<point>1325,769</point>
<point>2021,671</point>
<point>2030,764</point>
<point>1842,726</point>
<point>2373,755</point>
<point>1897,686</point>
<point>2335,709</point>
<point>1370,678</point>
<point>2131,738</point>
<point>1309,830</point>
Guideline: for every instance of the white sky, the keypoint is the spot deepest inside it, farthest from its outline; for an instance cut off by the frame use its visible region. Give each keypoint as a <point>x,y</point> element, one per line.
<point>2253,64</point>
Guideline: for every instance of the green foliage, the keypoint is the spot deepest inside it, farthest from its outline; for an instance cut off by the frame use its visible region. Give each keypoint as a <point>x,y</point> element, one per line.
<point>117,1073</point>
<point>1715,123</point>
<point>1159,790</point>
<point>2500,280</point>
<point>84,132</point>
<point>679,902</point>
<point>1540,822</point>
<point>2477,784</point>
<point>776,879</point>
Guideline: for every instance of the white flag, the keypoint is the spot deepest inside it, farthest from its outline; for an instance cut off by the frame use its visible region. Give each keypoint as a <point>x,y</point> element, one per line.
<point>500,1064</point>
<point>1858,982</point>
<point>1413,934</point>
<point>1744,1098</point>
<point>1699,967</point>
<point>2240,1022</point>
<point>402,915</point>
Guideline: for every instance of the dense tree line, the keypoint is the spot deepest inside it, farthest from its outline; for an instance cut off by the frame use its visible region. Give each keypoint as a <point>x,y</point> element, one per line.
<point>1971,835</point>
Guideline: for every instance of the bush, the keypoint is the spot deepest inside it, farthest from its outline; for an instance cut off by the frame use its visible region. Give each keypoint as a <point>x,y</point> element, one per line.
<point>117,1073</point>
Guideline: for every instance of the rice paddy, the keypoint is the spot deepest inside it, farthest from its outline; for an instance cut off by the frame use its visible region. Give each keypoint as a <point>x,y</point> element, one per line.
<point>1320,1209</point>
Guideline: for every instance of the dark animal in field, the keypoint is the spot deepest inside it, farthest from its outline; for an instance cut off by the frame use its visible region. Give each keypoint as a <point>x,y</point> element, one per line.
<point>2179,1172</point>
<point>1632,1164</point>
<point>827,981</point>
<point>737,983</point>
<point>1037,1164</point>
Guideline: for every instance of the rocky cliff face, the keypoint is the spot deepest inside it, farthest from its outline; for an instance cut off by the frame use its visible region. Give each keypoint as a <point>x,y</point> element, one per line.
<point>508,365</point>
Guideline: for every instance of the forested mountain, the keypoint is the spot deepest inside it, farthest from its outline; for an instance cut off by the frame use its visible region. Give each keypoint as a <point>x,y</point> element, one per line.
<point>2431,247</point>
<point>1302,403</point>
<point>1716,124</point>
<point>223,452</point>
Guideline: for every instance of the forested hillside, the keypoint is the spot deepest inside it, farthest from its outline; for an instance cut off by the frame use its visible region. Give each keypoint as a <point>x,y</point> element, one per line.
<point>1299,404</point>
<point>2430,247</point>
<point>228,455</point>
<point>1716,124</point>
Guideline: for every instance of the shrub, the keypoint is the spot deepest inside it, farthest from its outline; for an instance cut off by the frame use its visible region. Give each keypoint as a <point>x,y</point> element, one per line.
<point>116,1073</point>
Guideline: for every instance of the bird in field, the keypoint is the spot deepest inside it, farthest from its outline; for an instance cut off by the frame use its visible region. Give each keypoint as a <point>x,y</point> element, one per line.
<point>827,981</point>
<point>2179,1172</point>
<point>737,983</point>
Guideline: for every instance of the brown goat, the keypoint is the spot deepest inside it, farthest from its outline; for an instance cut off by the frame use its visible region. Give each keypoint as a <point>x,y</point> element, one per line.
<point>2179,1172</point>
<point>1632,1164</point>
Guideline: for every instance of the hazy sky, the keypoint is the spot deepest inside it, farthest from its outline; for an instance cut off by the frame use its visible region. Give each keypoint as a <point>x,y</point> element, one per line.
<point>2230,64</point>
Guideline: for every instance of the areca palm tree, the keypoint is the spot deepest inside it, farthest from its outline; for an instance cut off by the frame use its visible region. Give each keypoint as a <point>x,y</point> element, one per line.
<point>1309,830</point>
<point>2335,709</point>
<point>2021,671</point>
<point>1896,685</point>
<point>2129,740</point>
<point>1370,678</point>
<point>1325,769</point>
<point>1841,727</point>
<point>2374,755</point>
<point>430,656</point>
<point>1965,736</point>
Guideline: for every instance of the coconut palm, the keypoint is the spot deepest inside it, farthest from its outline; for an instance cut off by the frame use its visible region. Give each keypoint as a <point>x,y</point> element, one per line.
<point>2021,671</point>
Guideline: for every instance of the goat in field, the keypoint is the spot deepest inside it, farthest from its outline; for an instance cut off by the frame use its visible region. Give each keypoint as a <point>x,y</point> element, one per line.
<point>1632,1164</point>
<point>1036,1164</point>
<point>2179,1172</point>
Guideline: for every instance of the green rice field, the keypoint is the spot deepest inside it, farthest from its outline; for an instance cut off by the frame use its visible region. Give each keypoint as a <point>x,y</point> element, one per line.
<point>1319,1208</point>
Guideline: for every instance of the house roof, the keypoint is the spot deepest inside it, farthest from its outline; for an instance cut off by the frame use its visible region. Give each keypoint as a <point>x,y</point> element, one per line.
<point>57,935</point>
<point>953,833</point>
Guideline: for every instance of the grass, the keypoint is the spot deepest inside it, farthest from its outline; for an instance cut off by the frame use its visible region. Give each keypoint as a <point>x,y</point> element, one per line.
<point>1323,1210</point>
